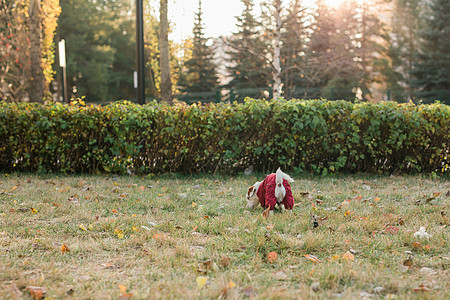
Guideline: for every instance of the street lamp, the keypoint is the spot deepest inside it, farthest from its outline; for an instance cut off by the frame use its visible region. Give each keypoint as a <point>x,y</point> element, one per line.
<point>62,64</point>
<point>140,51</point>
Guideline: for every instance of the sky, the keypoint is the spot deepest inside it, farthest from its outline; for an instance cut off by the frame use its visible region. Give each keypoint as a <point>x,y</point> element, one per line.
<point>218,16</point>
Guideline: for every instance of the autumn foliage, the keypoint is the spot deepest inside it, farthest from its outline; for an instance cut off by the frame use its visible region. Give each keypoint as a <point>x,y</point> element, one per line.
<point>320,136</point>
<point>15,73</point>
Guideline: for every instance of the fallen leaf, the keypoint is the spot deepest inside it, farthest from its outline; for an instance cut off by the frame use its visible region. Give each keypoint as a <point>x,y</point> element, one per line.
<point>34,210</point>
<point>208,264</point>
<point>231,284</point>
<point>312,258</point>
<point>64,248</point>
<point>119,233</point>
<point>109,265</point>
<point>436,194</point>
<point>335,257</point>
<point>125,296</point>
<point>417,245</point>
<point>123,289</point>
<point>142,188</point>
<point>201,281</point>
<point>225,261</point>
<point>348,256</point>
<point>391,230</point>
<point>422,288</point>
<point>266,212</point>
<point>280,275</point>
<point>249,291</point>
<point>36,292</point>
<point>115,211</point>
<point>376,200</point>
<point>272,257</point>
<point>427,247</point>
<point>408,262</point>
<point>81,226</point>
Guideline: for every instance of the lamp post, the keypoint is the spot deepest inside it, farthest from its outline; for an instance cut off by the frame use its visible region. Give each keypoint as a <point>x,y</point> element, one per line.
<point>62,64</point>
<point>140,51</point>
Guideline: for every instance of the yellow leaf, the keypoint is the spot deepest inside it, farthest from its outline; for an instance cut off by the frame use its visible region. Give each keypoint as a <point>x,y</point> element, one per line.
<point>231,284</point>
<point>64,248</point>
<point>348,256</point>
<point>34,210</point>
<point>335,257</point>
<point>91,227</point>
<point>115,183</point>
<point>376,200</point>
<point>119,233</point>
<point>201,281</point>
<point>81,226</point>
<point>123,289</point>
<point>135,229</point>
<point>194,204</point>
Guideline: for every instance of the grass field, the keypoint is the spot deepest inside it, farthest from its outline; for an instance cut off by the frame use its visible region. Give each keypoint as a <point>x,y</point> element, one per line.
<point>192,238</point>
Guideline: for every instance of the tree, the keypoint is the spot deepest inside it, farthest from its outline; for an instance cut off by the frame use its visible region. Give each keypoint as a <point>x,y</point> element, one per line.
<point>247,64</point>
<point>35,36</point>
<point>431,70</point>
<point>27,48</point>
<point>152,56</point>
<point>406,22</point>
<point>292,54</point>
<point>200,72</point>
<point>164,57</point>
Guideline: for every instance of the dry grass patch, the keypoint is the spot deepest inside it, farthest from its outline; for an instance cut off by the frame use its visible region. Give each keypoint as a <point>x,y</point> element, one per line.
<point>105,237</point>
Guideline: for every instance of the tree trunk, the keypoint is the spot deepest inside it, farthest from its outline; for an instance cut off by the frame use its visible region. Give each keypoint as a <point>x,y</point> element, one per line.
<point>35,32</point>
<point>276,53</point>
<point>164,56</point>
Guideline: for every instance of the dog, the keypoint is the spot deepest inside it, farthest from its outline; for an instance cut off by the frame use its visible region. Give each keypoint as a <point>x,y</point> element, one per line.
<point>274,189</point>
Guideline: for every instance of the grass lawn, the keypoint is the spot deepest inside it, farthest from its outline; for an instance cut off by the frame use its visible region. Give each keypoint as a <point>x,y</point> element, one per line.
<point>102,237</point>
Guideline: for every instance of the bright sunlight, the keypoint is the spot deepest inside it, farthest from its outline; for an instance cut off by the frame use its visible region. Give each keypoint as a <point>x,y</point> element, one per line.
<point>337,3</point>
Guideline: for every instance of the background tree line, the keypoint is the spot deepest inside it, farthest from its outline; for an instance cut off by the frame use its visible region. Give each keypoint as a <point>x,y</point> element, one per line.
<point>361,49</point>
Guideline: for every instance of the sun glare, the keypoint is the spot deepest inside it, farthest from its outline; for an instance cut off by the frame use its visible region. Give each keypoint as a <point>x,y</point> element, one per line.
<point>337,3</point>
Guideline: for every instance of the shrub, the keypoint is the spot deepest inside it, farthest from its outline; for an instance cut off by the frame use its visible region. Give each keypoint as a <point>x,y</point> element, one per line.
<point>297,135</point>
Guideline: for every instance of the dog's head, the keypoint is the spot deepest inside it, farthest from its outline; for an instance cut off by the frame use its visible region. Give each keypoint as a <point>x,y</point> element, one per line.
<point>252,198</point>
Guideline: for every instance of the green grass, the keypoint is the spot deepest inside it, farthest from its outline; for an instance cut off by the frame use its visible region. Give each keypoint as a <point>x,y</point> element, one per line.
<point>189,221</point>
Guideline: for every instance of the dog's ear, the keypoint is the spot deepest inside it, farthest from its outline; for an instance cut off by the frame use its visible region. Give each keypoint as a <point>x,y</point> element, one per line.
<point>250,191</point>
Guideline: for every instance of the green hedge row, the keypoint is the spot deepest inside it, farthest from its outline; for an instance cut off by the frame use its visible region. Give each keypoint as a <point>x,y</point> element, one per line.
<point>297,135</point>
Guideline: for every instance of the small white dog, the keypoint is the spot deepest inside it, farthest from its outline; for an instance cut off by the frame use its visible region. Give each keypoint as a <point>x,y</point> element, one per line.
<point>274,189</point>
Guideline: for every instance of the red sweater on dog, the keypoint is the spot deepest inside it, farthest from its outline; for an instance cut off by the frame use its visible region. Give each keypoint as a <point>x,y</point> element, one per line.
<point>266,193</point>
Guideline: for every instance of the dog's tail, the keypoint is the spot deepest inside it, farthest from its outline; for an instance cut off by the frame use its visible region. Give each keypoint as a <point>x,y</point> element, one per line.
<point>280,175</point>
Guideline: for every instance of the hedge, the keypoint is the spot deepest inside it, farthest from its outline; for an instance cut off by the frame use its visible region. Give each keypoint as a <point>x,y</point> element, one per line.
<point>297,135</point>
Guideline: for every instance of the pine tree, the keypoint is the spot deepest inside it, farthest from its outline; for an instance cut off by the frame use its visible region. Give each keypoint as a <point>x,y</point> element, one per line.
<point>431,70</point>
<point>332,68</point>
<point>247,61</point>
<point>406,22</point>
<point>200,73</point>
<point>293,40</point>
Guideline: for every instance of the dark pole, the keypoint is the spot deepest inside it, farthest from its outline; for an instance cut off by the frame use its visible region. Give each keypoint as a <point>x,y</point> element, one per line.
<point>140,51</point>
